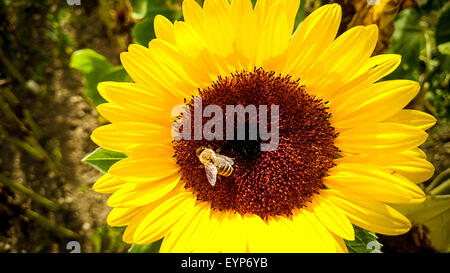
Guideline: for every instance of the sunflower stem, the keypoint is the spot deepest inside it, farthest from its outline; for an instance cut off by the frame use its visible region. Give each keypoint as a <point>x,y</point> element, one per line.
<point>12,100</point>
<point>50,225</point>
<point>438,179</point>
<point>32,147</point>
<point>11,68</point>
<point>10,115</point>
<point>29,193</point>
<point>30,142</point>
<point>25,146</point>
<point>443,188</point>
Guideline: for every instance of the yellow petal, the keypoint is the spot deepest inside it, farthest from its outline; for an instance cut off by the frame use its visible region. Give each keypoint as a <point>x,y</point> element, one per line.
<point>415,152</point>
<point>371,215</point>
<point>229,233</point>
<point>202,238</point>
<point>376,103</point>
<point>161,151</point>
<point>263,238</point>
<point>256,229</point>
<point>376,68</point>
<point>311,38</point>
<point>178,240</point>
<point>128,235</point>
<point>380,138</point>
<point>137,96</point>
<point>328,239</point>
<point>193,15</point>
<point>244,23</point>
<point>416,169</point>
<point>159,67</point>
<point>273,18</point>
<point>160,220</point>
<point>147,169</point>
<point>331,216</point>
<point>164,29</point>
<point>341,60</point>
<point>414,118</point>
<point>122,216</point>
<point>107,184</point>
<point>341,247</point>
<point>137,195</point>
<point>301,234</point>
<point>409,164</point>
<point>379,66</point>
<point>116,113</point>
<point>370,181</point>
<point>138,102</point>
<point>118,136</point>
<point>218,30</point>
<point>204,66</point>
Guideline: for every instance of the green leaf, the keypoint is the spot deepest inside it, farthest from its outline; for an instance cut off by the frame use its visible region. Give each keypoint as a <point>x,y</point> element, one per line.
<point>434,213</point>
<point>408,40</point>
<point>146,10</point>
<point>103,159</point>
<point>92,66</point>
<point>143,32</point>
<point>117,74</point>
<point>142,7</point>
<point>365,242</point>
<point>96,68</point>
<point>139,9</point>
<point>300,15</point>
<point>149,248</point>
<point>109,240</point>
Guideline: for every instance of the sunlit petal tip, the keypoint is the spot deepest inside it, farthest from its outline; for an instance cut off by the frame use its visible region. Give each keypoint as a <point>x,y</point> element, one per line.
<point>121,216</point>
<point>96,136</point>
<point>135,48</point>
<point>393,57</point>
<point>371,215</point>
<point>393,60</point>
<point>124,56</point>
<point>103,109</point>
<point>334,8</point>
<point>161,21</point>
<point>415,86</point>
<point>373,28</point>
<point>107,184</point>
<point>101,87</point>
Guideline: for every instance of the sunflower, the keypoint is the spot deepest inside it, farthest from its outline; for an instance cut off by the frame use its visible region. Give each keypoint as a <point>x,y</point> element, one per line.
<point>346,148</point>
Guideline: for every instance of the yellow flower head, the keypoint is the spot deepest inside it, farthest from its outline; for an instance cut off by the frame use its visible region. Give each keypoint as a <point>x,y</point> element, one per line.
<point>345,147</point>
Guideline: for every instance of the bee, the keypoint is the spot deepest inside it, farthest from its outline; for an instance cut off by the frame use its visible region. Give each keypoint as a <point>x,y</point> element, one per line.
<point>214,164</point>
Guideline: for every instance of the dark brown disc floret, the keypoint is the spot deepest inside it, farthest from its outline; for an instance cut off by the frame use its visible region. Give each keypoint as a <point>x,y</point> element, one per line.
<point>265,183</point>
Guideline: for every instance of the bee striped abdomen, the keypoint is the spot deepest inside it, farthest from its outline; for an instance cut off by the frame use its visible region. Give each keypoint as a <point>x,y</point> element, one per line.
<point>226,170</point>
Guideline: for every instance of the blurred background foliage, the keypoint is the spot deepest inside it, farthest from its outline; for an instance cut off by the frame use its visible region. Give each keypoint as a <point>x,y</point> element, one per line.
<point>53,55</point>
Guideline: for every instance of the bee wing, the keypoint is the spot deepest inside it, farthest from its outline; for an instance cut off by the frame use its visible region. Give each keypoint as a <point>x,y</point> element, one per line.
<point>227,159</point>
<point>211,173</point>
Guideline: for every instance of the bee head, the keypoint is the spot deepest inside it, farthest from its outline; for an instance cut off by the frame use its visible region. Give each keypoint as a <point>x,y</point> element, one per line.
<point>200,150</point>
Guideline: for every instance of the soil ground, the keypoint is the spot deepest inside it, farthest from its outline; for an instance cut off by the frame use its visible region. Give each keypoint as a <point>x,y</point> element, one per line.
<point>66,120</point>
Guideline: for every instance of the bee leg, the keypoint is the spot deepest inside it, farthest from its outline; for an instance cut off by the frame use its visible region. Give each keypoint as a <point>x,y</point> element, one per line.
<point>218,150</point>
<point>200,166</point>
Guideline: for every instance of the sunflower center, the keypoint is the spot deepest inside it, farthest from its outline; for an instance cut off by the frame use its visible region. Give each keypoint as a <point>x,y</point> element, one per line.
<point>263,182</point>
